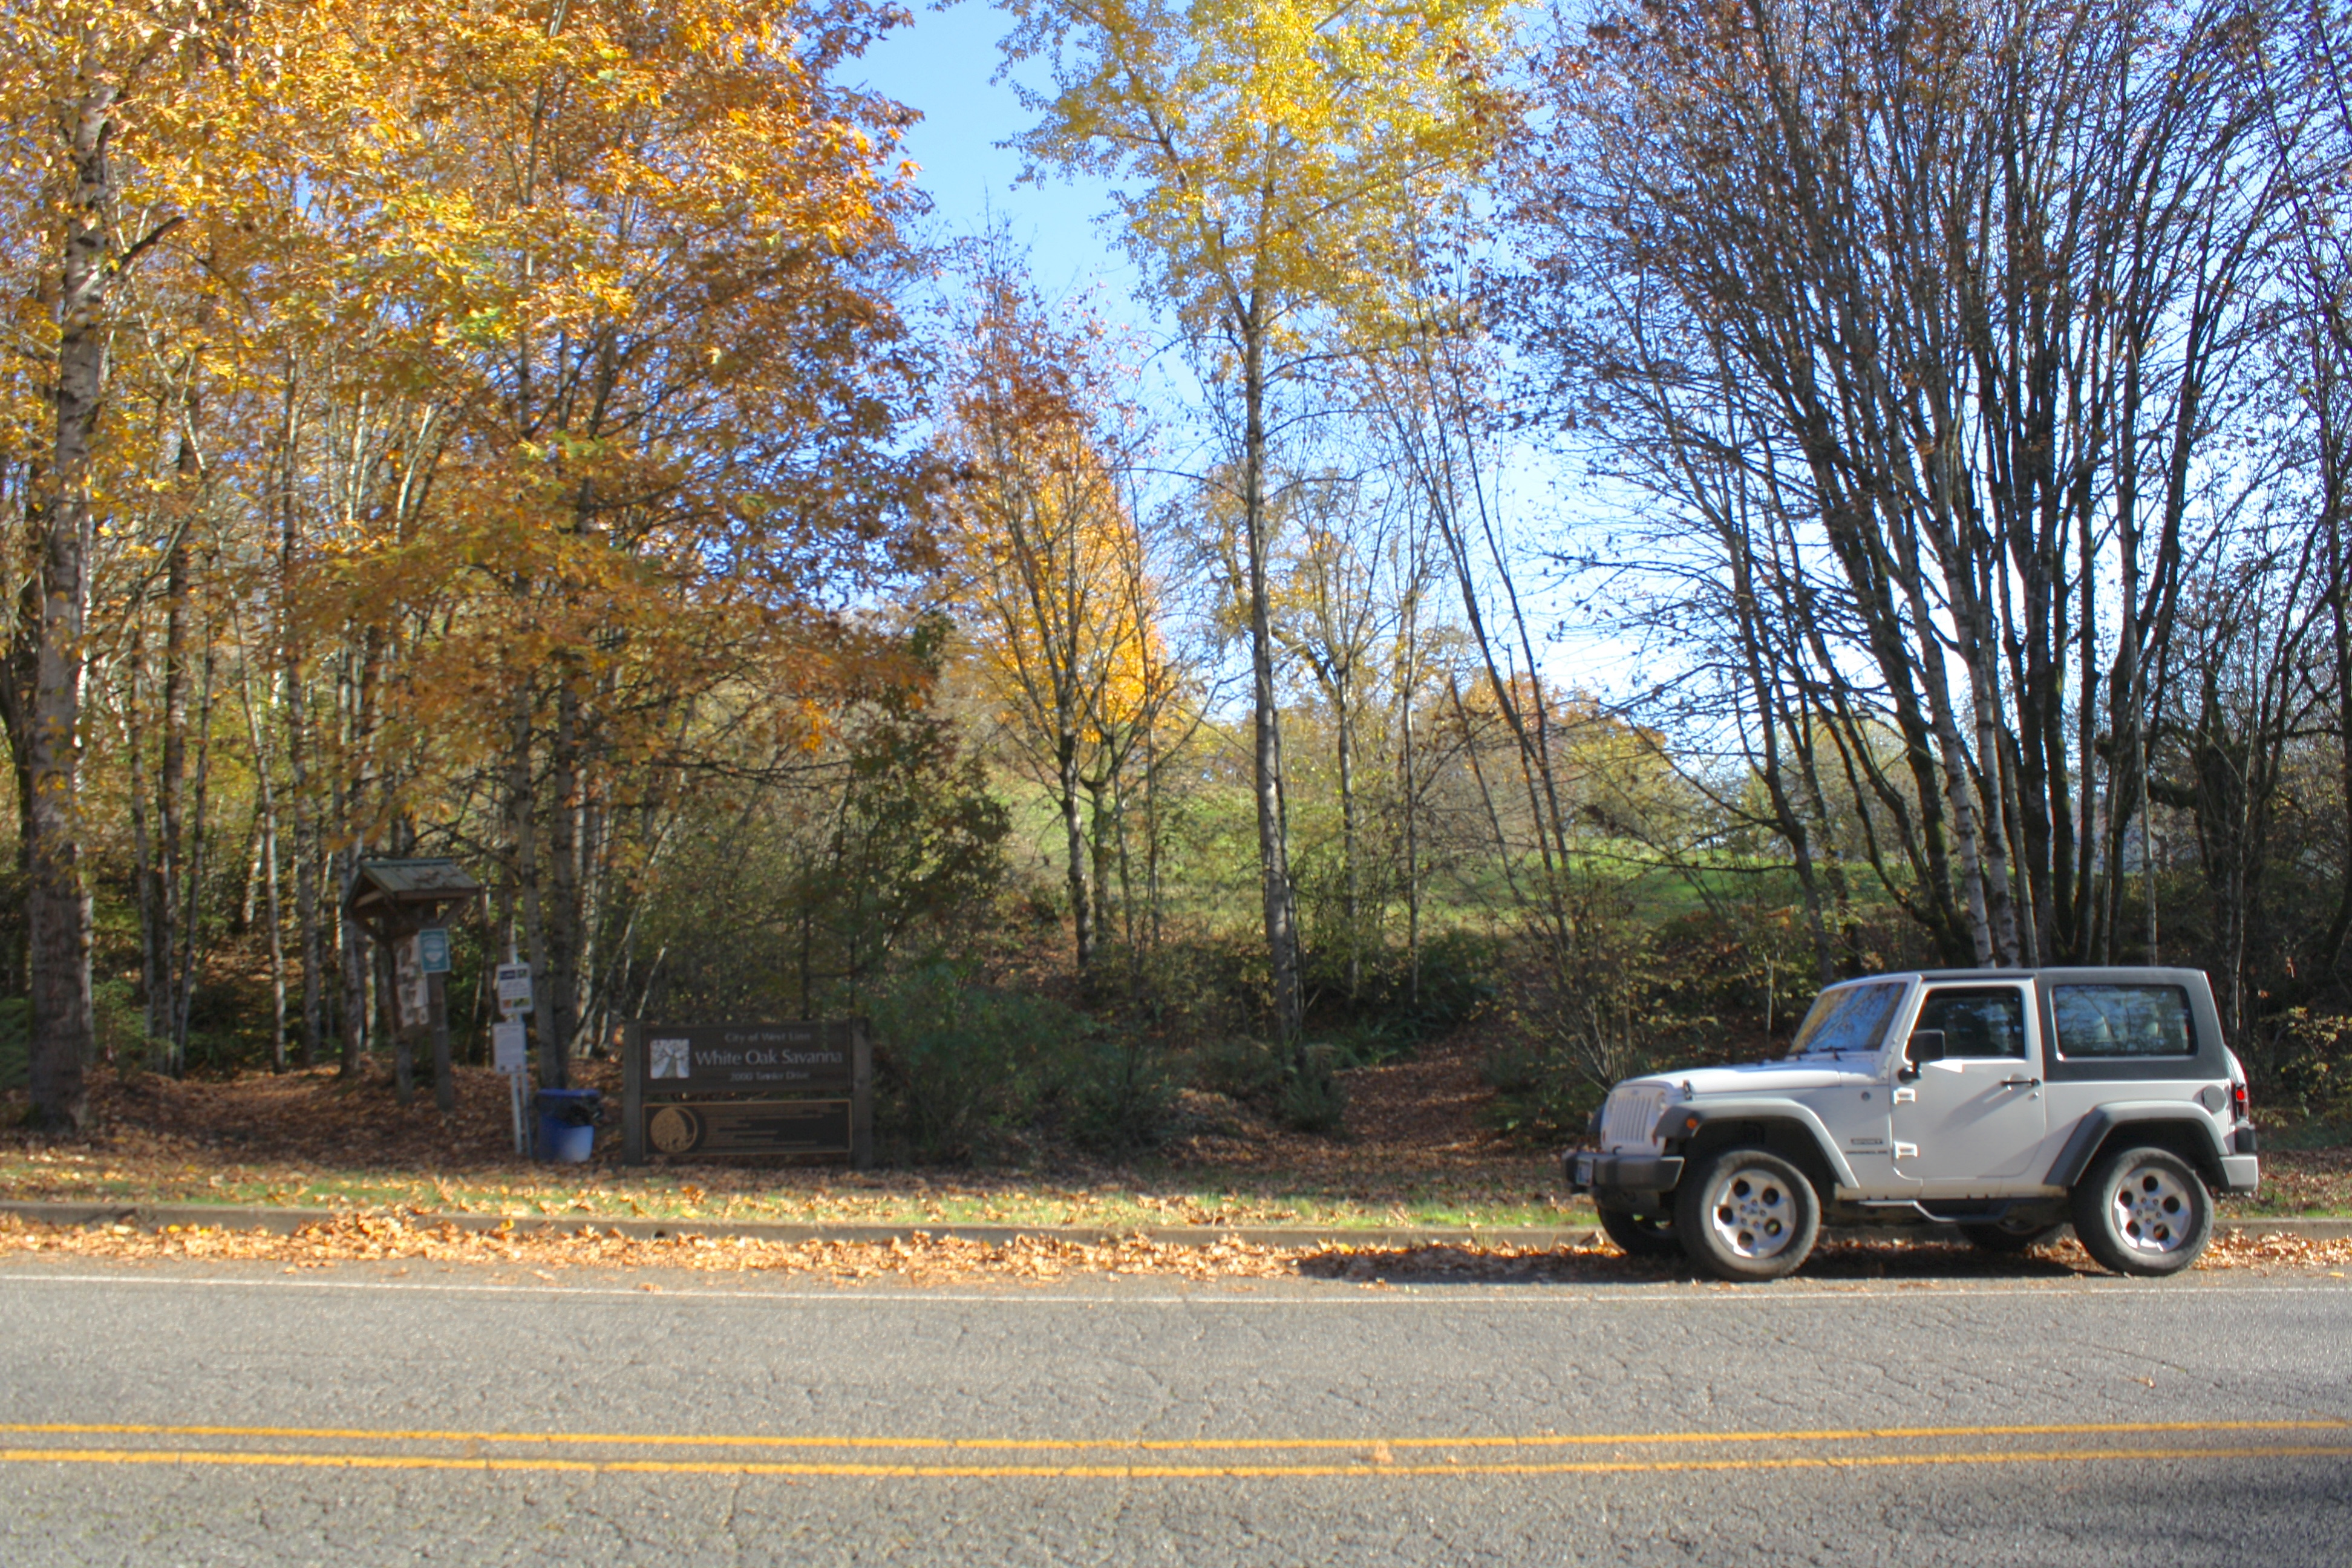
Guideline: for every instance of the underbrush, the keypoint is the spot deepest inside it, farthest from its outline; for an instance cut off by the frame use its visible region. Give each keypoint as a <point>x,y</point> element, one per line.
<point>965,1071</point>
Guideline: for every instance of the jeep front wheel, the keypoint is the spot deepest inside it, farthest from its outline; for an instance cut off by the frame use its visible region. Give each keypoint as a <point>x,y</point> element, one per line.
<point>1640,1236</point>
<point>1745,1213</point>
<point>2143,1211</point>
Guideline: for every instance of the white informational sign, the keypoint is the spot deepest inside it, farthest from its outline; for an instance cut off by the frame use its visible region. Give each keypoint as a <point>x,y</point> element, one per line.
<point>509,1047</point>
<point>514,987</point>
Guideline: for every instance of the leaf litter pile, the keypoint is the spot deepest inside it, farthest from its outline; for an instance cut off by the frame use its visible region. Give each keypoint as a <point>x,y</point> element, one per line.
<point>939,1259</point>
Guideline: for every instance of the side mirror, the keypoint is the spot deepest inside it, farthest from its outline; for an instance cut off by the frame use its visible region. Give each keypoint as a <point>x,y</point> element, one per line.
<point>1926,1046</point>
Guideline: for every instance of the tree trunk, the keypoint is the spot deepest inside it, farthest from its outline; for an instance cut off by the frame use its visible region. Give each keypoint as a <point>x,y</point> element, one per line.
<point>1265,751</point>
<point>191,895</point>
<point>170,797</point>
<point>56,913</point>
<point>307,865</point>
<point>1074,840</point>
<point>142,846</point>
<point>1411,808</point>
<point>351,790</point>
<point>522,803</point>
<point>265,813</point>
<point>1351,909</point>
<point>562,909</point>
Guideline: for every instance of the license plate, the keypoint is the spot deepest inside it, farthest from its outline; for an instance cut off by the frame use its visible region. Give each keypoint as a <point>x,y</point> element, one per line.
<point>1584,1168</point>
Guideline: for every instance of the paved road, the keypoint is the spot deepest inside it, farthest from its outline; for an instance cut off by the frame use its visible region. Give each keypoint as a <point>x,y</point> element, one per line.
<point>234,1413</point>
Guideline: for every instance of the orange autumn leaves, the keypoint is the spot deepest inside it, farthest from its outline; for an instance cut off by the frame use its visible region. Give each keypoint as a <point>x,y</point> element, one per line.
<point>634,261</point>
<point>562,334</point>
<point>1046,555</point>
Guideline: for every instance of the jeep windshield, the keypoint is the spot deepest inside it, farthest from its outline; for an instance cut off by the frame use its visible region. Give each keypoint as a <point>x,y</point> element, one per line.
<point>1848,1021</point>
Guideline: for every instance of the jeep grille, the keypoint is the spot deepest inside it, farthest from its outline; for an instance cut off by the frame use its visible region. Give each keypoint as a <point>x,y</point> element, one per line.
<point>1634,1113</point>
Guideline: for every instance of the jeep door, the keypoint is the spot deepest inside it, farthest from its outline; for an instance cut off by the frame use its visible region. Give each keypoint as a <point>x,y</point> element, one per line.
<point>1969,1113</point>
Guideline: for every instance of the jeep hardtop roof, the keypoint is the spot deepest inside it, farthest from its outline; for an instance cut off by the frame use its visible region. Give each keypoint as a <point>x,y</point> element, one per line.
<point>2209,1060</point>
<point>2090,973</point>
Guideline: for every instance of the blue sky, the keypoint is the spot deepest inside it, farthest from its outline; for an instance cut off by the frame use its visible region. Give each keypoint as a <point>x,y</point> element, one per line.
<point>942,66</point>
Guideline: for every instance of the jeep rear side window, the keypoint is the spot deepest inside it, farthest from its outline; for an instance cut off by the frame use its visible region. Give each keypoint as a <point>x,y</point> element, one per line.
<point>1989,1021</point>
<point>2122,1021</point>
<point>1851,1019</point>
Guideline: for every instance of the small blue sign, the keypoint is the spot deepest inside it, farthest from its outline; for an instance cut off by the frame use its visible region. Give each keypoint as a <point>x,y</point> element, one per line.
<point>433,950</point>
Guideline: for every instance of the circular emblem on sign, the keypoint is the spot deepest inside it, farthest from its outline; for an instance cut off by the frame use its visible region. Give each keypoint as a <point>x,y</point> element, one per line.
<point>675,1129</point>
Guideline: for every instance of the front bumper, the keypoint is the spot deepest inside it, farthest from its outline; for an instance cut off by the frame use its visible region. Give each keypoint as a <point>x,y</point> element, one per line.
<point>1624,1180</point>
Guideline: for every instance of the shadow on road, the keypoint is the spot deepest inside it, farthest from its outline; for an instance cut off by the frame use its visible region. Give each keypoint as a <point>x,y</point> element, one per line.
<point>1832,1261</point>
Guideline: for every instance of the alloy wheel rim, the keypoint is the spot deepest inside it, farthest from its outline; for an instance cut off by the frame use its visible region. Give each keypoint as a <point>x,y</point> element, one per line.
<point>2153,1210</point>
<point>1753,1211</point>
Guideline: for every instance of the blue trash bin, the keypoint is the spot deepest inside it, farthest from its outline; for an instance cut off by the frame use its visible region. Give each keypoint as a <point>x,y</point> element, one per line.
<point>567,1123</point>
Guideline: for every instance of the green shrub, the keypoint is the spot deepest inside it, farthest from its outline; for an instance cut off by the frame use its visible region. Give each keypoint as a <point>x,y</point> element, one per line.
<point>1124,1097</point>
<point>1539,1095</point>
<point>962,1067</point>
<point>1394,1012</point>
<point>1458,970</point>
<point>1240,1068</point>
<point>1313,1099</point>
<point>956,1063</point>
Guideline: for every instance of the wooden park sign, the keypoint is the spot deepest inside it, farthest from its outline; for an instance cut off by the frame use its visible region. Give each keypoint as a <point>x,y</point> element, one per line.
<point>727,1090</point>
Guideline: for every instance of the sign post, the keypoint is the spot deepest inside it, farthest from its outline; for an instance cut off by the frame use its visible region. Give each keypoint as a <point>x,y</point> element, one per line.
<point>510,1041</point>
<point>433,966</point>
<point>718,1090</point>
<point>511,1054</point>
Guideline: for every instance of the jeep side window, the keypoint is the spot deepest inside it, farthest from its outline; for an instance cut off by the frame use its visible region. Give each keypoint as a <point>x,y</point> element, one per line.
<point>1978,1021</point>
<point>2122,1021</point>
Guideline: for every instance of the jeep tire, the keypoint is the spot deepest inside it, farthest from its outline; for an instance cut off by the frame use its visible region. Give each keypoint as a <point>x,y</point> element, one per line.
<point>2143,1211</point>
<point>1641,1235</point>
<point>1746,1214</point>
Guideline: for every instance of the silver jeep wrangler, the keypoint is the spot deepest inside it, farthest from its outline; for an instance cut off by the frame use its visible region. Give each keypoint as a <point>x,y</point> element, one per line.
<point>2004,1102</point>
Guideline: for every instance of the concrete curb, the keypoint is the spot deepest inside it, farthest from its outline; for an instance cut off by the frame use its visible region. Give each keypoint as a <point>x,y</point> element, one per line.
<point>284,1221</point>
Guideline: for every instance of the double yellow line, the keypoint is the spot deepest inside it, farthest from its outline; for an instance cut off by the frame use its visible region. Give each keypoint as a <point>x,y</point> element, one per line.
<point>1086,1458</point>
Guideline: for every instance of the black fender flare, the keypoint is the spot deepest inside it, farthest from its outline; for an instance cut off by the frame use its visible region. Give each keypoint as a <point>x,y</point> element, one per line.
<point>1689,1119</point>
<point>2092,1130</point>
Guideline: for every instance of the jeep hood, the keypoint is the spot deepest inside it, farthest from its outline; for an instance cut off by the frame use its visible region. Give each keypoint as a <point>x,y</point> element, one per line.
<point>1766,1077</point>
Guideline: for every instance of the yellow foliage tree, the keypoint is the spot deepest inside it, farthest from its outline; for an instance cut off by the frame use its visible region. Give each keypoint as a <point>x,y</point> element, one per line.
<point>538,363</point>
<point>1047,559</point>
<point>1285,157</point>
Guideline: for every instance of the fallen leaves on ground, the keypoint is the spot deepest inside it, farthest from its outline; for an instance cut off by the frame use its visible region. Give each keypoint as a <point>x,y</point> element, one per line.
<point>2236,1249</point>
<point>2307,1181</point>
<point>923,1259</point>
<point>310,1140</point>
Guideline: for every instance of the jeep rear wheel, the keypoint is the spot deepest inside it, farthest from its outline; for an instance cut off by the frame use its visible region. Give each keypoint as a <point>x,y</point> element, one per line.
<point>1641,1235</point>
<point>2143,1211</point>
<point>1746,1214</point>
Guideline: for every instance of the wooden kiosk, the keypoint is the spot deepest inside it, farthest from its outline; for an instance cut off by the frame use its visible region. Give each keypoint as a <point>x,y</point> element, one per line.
<point>399,902</point>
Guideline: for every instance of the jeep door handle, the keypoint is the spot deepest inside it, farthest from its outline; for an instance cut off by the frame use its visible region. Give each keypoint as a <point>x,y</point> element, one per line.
<point>2021,1083</point>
